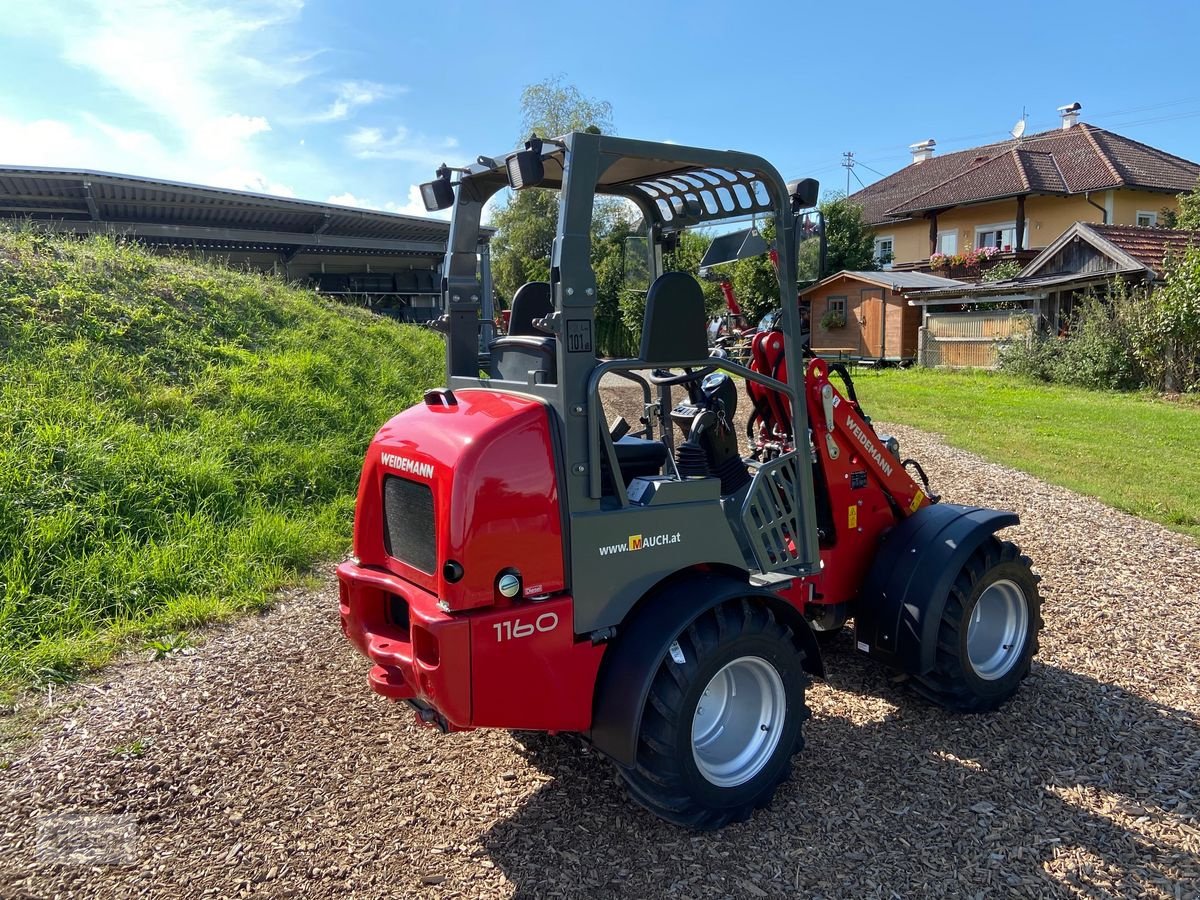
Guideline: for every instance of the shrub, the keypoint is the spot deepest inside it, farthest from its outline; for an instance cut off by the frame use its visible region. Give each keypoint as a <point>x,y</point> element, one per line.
<point>1097,351</point>
<point>1003,271</point>
<point>1165,331</point>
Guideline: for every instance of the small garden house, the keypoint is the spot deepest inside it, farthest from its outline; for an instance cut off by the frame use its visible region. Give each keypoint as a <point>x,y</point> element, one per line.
<point>864,315</point>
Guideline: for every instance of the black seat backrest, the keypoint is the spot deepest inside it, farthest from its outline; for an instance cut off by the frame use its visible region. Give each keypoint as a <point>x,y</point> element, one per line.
<point>532,300</point>
<point>673,330</point>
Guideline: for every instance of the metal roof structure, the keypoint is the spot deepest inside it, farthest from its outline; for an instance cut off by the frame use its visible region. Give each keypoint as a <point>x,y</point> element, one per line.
<point>168,213</point>
<point>894,281</point>
<point>1009,290</point>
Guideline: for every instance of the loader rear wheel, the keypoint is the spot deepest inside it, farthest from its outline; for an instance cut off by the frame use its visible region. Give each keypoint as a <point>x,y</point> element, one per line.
<point>988,633</point>
<point>723,718</point>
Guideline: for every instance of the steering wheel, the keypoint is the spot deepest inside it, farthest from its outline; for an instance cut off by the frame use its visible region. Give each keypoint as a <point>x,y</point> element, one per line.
<point>667,379</point>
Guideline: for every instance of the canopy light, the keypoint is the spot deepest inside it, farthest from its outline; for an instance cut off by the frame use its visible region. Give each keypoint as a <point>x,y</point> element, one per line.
<point>525,167</point>
<point>439,193</point>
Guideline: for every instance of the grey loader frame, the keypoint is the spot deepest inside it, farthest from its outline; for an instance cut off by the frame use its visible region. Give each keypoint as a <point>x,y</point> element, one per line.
<point>686,524</point>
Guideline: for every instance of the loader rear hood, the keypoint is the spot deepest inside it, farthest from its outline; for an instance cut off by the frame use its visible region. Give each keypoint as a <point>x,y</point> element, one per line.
<point>455,494</point>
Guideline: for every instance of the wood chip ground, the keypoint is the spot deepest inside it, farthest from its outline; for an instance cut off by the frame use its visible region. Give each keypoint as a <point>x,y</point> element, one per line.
<point>261,765</point>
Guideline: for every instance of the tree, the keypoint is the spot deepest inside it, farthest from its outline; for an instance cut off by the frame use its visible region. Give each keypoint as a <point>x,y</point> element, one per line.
<point>850,241</point>
<point>1188,216</point>
<point>755,285</point>
<point>524,239</point>
<point>527,223</point>
<point>551,108</point>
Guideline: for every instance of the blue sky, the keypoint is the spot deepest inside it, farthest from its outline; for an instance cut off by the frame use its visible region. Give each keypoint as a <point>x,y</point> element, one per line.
<point>356,101</point>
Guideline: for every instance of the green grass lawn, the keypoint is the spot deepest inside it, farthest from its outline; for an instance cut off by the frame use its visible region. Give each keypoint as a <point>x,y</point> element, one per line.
<point>1135,452</point>
<point>176,441</point>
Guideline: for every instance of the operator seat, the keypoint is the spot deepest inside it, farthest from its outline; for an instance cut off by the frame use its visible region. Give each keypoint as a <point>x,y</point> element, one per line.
<point>525,349</point>
<point>673,331</point>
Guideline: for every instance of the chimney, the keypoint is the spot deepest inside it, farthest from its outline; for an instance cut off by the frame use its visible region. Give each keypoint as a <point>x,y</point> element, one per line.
<point>922,150</point>
<point>1070,115</point>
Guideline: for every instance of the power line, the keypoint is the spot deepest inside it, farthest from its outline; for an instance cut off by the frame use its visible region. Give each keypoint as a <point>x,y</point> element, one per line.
<point>869,169</point>
<point>848,164</point>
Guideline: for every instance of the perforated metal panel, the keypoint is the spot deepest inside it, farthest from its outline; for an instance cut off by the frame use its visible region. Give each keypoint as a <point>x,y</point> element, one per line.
<point>706,193</point>
<point>408,527</point>
<point>771,519</point>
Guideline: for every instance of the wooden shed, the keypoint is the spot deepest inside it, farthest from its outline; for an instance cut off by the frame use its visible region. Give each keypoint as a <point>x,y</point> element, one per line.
<point>864,315</point>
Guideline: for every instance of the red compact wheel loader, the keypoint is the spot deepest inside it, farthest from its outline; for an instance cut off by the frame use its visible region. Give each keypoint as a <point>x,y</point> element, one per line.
<point>521,563</point>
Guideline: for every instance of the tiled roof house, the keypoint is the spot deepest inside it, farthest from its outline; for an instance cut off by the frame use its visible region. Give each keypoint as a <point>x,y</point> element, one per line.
<point>1021,194</point>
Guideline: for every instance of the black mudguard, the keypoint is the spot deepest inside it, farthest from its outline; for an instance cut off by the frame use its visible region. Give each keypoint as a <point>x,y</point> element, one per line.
<point>900,607</point>
<point>644,640</point>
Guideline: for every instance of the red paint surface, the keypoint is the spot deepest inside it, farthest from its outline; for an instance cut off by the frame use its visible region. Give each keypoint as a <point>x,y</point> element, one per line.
<point>475,674</point>
<point>494,487</point>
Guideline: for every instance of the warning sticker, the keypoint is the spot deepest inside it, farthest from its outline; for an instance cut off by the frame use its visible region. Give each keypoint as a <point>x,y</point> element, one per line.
<point>852,517</point>
<point>916,501</point>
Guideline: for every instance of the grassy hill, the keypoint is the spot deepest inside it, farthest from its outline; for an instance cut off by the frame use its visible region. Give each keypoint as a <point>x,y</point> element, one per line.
<point>176,441</point>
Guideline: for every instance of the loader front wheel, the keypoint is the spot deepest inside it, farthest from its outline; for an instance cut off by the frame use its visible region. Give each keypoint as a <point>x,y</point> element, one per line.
<point>723,718</point>
<point>988,633</point>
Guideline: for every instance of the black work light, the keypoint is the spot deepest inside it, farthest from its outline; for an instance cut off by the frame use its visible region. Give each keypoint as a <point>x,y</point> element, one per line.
<point>525,167</point>
<point>439,193</point>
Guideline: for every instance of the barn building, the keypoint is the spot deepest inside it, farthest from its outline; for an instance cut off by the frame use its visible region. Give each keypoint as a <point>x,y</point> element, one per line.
<point>386,261</point>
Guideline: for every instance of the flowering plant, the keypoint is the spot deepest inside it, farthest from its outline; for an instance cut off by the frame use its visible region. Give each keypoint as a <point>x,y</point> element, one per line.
<point>938,261</point>
<point>987,254</point>
<point>833,319</point>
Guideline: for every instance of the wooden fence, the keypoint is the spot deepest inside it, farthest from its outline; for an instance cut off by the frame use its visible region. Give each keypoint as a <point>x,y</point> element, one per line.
<point>971,340</point>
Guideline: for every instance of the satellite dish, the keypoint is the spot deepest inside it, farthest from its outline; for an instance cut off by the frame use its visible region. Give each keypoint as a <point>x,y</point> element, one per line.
<point>1018,129</point>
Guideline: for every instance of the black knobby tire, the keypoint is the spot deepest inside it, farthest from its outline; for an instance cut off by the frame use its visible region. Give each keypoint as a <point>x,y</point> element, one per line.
<point>666,778</point>
<point>955,681</point>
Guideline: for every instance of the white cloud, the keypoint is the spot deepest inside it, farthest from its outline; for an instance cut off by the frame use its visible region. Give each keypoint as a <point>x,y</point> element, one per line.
<point>414,206</point>
<point>43,142</point>
<point>401,144</point>
<point>201,92</point>
<point>351,96</point>
<point>187,67</point>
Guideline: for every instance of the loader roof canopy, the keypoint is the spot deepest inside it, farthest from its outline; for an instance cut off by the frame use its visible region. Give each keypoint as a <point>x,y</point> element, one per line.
<point>677,192</point>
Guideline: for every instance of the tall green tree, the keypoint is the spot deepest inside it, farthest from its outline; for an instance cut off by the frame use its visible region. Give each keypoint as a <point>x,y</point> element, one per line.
<point>524,239</point>
<point>552,107</point>
<point>1188,216</point>
<point>528,222</point>
<point>850,241</point>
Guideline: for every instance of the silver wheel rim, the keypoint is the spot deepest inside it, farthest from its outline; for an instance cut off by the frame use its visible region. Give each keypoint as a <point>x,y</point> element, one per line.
<point>997,631</point>
<point>738,721</point>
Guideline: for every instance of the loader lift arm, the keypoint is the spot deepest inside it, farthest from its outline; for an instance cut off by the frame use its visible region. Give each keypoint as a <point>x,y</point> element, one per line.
<point>839,427</point>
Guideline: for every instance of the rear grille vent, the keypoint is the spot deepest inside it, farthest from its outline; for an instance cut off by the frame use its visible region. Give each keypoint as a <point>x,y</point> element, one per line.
<point>408,531</point>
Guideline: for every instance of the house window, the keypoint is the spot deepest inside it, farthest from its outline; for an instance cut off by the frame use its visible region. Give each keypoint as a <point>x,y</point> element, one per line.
<point>947,242</point>
<point>1002,236</point>
<point>1147,219</point>
<point>835,313</point>
<point>884,251</point>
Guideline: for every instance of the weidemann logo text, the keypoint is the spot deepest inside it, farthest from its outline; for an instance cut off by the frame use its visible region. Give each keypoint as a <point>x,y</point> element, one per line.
<point>404,464</point>
<point>868,445</point>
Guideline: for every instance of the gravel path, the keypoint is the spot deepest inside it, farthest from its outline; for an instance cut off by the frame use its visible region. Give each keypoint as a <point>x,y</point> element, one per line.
<point>261,764</point>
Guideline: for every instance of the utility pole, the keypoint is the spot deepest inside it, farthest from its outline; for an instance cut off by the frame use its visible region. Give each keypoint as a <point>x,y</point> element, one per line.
<point>848,165</point>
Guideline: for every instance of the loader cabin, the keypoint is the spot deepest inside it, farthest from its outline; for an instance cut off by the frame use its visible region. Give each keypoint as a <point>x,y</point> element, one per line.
<point>550,350</point>
<point>864,316</point>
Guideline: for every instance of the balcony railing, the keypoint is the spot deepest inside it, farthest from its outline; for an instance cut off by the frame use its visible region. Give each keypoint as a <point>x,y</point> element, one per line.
<point>969,273</point>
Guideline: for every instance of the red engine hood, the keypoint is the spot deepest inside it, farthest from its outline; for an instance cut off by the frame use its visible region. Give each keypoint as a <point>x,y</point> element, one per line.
<point>489,460</point>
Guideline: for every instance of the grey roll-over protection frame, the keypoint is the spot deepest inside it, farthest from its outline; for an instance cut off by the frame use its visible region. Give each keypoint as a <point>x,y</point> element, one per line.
<point>674,187</point>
